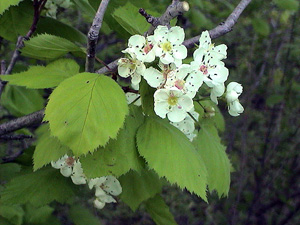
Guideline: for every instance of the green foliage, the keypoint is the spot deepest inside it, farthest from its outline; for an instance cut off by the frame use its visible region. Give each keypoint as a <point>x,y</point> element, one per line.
<point>38,215</point>
<point>91,112</point>
<point>86,8</point>
<point>52,26</point>
<point>172,155</point>
<point>38,188</point>
<point>48,148</point>
<point>137,188</point>
<point>261,26</point>
<point>292,5</point>
<point>4,5</point>
<point>14,214</point>
<point>44,77</point>
<point>21,101</point>
<point>159,211</point>
<point>147,99</point>
<point>118,156</point>
<point>47,47</point>
<point>208,145</point>
<point>129,18</point>
<point>82,216</point>
<point>8,170</point>
<point>16,20</point>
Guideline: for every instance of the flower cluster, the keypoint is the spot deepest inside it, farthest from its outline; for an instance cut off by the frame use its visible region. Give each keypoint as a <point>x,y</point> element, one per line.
<point>177,84</point>
<point>104,186</point>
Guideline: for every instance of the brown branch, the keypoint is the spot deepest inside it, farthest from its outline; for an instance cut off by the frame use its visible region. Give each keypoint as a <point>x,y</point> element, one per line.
<point>15,137</point>
<point>149,18</point>
<point>25,121</point>
<point>93,36</point>
<point>223,28</point>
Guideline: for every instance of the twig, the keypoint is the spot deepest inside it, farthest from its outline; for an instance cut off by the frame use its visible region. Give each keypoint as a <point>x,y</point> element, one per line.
<point>3,67</point>
<point>38,6</point>
<point>223,28</point>
<point>25,121</point>
<point>93,36</point>
<point>218,31</point>
<point>149,18</point>
<point>15,137</point>
<point>175,9</point>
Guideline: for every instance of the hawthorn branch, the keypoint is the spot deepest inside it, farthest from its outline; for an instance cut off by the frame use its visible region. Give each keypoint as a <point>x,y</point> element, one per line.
<point>150,19</point>
<point>15,137</point>
<point>93,36</point>
<point>21,122</point>
<point>214,33</point>
<point>222,28</point>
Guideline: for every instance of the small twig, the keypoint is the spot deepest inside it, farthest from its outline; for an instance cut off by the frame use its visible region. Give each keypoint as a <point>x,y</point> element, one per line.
<point>25,121</point>
<point>15,137</point>
<point>93,36</point>
<point>150,19</point>
<point>3,67</point>
<point>223,28</point>
<point>103,63</point>
<point>38,6</point>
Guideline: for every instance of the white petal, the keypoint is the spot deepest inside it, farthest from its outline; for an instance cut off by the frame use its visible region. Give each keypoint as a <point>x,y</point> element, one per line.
<point>198,55</point>
<point>220,52</point>
<point>59,163</point>
<point>176,35</point>
<point>78,180</point>
<point>124,71</point>
<point>135,78</point>
<point>96,182</point>
<point>204,40</point>
<point>186,103</point>
<point>98,204</point>
<point>235,108</point>
<point>112,186</point>
<point>177,114</point>
<point>161,95</point>
<point>180,52</point>
<point>166,58</point>
<point>66,171</point>
<point>161,108</point>
<point>161,33</point>
<point>136,41</point>
<point>153,77</point>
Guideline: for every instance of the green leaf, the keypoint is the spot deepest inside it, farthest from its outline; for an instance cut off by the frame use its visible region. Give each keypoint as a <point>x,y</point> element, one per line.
<point>159,211</point>
<point>21,101</point>
<point>48,148</point>
<point>8,171</point>
<point>172,155</point>
<point>217,120</point>
<point>137,188</point>
<point>261,26</point>
<point>52,26</point>
<point>4,5</point>
<point>16,20</point>
<point>291,5</point>
<point>38,188</point>
<point>39,215</point>
<point>129,18</point>
<point>14,214</point>
<point>85,7</point>
<point>44,77</point>
<point>208,144</point>
<point>118,156</point>
<point>82,216</point>
<point>85,111</point>
<point>147,99</point>
<point>47,47</point>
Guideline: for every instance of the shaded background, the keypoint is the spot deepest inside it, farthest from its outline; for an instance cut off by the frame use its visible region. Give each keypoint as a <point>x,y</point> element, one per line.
<point>263,142</point>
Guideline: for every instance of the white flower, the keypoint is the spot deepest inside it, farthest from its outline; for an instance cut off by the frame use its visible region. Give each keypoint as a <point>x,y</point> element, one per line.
<point>156,78</point>
<point>173,103</point>
<point>142,47</point>
<point>78,176</point>
<point>133,97</point>
<point>65,164</point>
<point>218,52</point>
<point>131,67</point>
<point>169,44</point>
<point>233,91</point>
<point>212,71</point>
<point>105,187</point>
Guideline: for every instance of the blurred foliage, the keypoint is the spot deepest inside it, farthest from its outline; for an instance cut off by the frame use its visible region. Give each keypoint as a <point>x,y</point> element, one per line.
<point>263,55</point>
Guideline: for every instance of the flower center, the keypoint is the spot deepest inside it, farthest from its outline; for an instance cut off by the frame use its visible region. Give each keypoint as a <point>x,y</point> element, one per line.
<point>148,48</point>
<point>179,84</point>
<point>70,161</point>
<point>166,47</point>
<point>203,69</point>
<point>172,100</point>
